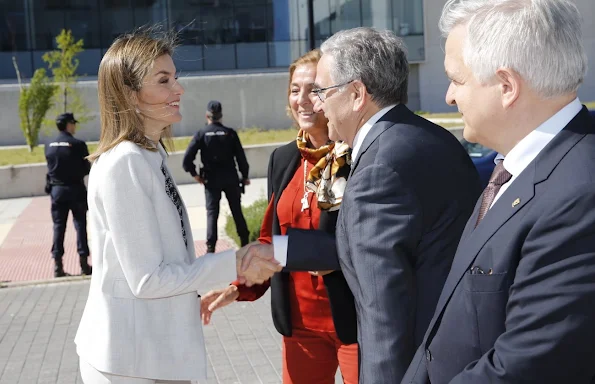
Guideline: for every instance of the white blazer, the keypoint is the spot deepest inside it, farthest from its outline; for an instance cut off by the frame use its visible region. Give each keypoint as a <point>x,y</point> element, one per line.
<point>142,316</point>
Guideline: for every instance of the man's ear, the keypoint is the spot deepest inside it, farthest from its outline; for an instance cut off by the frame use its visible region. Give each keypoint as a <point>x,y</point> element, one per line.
<point>510,83</point>
<point>360,97</point>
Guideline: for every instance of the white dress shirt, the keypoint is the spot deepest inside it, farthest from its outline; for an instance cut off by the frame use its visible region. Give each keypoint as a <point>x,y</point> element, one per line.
<point>529,147</point>
<point>280,241</point>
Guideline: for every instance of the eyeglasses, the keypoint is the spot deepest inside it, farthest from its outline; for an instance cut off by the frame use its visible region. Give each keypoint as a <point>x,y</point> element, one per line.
<point>321,92</point>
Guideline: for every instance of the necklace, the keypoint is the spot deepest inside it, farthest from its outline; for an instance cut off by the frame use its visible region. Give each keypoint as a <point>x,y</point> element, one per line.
<point>305,201</point>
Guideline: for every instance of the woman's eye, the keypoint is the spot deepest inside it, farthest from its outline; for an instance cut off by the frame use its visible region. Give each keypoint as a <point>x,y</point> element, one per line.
<point>164,81</point>
<point>294,91</point>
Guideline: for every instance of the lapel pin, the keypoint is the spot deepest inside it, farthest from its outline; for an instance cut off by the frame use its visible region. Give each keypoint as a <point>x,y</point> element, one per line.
<point>516,202</point>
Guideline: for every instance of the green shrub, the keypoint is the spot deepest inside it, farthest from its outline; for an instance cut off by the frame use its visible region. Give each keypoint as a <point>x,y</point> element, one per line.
<point>253,214</point>
<point>34,102</point>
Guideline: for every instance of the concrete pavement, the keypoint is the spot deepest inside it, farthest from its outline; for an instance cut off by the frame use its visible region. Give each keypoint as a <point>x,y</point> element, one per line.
<point>26,232</point>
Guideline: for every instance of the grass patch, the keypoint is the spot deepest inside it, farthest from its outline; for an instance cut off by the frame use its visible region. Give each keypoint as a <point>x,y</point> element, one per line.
<point>451,125</point>
<point>254,215</point>
<point>250,136</point>
<point>449,115</point>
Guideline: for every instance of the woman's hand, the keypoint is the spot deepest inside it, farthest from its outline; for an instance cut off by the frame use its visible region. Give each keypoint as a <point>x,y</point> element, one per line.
<point>215,299</point>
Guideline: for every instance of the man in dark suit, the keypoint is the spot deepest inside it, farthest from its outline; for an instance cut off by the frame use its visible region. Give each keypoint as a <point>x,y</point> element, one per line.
<point>517,306</point>
<point>411,190</point>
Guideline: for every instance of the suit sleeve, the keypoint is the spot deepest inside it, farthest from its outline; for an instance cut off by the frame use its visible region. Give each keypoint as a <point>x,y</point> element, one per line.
<point>383,220</point>
<point>133,226</point>
<point>550,314</point>
<point>193,147</point>
<point>240,156</point>
<point>311,250</point>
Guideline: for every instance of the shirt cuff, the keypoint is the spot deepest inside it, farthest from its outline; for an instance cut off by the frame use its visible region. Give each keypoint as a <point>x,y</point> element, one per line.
<point>280,249</point>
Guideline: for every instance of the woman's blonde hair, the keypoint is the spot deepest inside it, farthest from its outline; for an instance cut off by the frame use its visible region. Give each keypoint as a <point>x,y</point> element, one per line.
<point>126,63</point>
<point>312,57</point>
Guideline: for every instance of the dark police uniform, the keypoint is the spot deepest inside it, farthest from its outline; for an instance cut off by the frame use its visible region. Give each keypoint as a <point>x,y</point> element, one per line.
<point>220,148</point>
<point>67,166</point>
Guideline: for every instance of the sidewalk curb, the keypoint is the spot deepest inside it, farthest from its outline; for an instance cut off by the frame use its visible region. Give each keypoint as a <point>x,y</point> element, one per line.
<point>55,280</point>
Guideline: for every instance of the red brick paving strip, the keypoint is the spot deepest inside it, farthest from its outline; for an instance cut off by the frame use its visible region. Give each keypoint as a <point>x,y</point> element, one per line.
<point>25,254</point>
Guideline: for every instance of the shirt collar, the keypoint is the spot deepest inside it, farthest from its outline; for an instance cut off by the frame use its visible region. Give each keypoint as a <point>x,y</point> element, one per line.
<point>365,129</point>
<point>529,147</point>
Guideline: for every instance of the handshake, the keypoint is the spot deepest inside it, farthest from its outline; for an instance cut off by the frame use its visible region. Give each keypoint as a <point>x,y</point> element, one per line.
<point>256,263</point>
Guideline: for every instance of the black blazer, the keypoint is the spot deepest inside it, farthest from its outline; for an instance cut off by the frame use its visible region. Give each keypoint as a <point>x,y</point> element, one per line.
<point>283,164</point>
<point>532,318</point>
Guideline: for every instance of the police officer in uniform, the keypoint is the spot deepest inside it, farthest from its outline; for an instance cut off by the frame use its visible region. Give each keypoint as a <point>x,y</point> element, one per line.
<point>67,166</point>
<point>220,149</point>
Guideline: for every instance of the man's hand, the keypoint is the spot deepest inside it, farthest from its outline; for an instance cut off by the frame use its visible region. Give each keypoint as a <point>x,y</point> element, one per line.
<point>215,299</point>
<point>246,181</point>
<point>199,179</point>
<point>256,263</point>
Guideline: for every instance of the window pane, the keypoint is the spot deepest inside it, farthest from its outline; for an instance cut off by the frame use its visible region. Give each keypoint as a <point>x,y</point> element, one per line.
<point>376,14</point>
<point>48,21</point>
<point>116,18</point>
<point>189,58</point>
<point>408,17</point>
<point>281,25</point>
<point>251,23</point>
<point>346,14</point>
<point>282,53</point>
<point>252,55</point>
<point>13,24</point>
<point>220,56</point>
<point>186,19</point>
<point>81,19</point>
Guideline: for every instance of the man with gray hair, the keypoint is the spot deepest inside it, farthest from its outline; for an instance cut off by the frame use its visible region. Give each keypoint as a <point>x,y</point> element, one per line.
<point>518,304</point>
<point>411,190</point>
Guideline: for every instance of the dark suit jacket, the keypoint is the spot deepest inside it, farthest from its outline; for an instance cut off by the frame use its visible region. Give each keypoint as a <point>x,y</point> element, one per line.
<point>411,191</point>
<point>283,164</point>
<point>532,320</point>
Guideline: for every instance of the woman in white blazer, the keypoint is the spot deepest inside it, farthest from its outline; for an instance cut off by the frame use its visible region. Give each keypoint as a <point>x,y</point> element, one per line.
<point>141,323</point>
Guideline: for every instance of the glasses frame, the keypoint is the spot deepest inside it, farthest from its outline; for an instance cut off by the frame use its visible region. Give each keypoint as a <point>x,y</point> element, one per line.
<point>320,91</point>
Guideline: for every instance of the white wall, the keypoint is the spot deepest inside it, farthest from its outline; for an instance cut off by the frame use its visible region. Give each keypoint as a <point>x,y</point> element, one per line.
<point>29,180</point>
<point>433,82</point>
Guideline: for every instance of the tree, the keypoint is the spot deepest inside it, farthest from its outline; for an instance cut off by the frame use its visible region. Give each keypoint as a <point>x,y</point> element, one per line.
<point>64,64</point>
<point>35,101</point>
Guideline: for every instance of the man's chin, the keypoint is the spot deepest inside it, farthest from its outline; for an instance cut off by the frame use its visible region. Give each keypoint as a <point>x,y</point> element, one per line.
<point>469,135</point>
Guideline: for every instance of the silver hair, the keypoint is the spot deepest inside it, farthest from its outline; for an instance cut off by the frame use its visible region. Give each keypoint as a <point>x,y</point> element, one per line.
<point>377,58</point>
<point>539,39</point>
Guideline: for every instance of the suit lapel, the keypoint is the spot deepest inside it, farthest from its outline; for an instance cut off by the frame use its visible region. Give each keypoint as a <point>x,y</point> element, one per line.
<point>520,192</point>
<point>289,164</point>
<point>385,122</point>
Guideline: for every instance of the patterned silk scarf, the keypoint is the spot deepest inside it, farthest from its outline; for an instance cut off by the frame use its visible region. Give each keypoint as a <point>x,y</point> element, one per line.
<point>322,179</point>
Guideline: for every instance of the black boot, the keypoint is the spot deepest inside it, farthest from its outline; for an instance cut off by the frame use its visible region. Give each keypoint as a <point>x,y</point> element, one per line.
<point>210,248</point>
<point>58,268</point>
<point>85,267</point>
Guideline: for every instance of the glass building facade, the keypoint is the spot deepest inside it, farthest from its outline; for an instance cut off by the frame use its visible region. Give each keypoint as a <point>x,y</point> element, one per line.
<point>216,35</point>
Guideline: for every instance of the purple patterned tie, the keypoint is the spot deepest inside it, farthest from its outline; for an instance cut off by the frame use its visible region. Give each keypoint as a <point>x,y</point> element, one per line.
<point>499,177</point>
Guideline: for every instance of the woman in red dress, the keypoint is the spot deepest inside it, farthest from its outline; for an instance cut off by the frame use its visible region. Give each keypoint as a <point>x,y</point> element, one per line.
<point>314,311</point>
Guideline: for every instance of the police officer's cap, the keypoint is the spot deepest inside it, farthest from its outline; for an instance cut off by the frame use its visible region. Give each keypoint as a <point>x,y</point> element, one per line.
<point>214,109</point>
<point>65,118</point>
